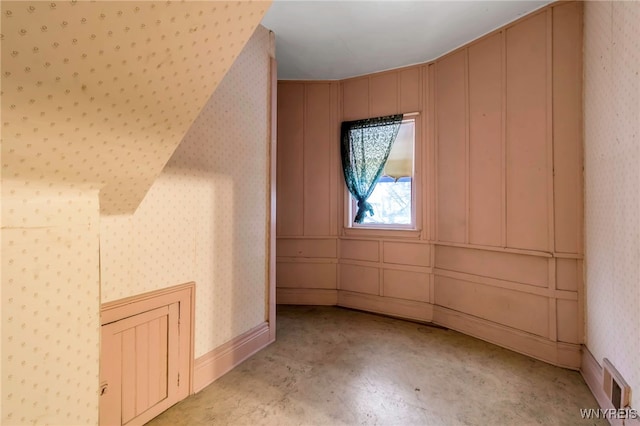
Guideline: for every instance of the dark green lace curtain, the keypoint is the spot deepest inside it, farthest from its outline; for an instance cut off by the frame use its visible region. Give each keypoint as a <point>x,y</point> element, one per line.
<point>365,147</point>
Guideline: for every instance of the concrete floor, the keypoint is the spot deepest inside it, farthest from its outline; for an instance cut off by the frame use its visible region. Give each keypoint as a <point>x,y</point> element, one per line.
<point>333,366</point>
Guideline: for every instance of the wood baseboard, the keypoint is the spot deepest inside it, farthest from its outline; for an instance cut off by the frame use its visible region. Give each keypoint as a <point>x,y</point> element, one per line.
<point>306,296</point>
<point>592,373</point>
<point>401,308</point>
<point>557,353</point>
<point>213,365</point>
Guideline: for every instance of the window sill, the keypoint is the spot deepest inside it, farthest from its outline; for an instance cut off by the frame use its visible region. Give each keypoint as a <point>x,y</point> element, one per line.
<point>382,232</point>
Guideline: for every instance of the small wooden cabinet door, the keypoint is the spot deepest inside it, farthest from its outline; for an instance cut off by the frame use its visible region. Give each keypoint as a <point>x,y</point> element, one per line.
<point>140,366</point>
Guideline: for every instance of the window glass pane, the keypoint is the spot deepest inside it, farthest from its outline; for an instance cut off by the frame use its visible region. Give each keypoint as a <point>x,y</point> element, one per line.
<point>391,202</point>
<point>392,197</point>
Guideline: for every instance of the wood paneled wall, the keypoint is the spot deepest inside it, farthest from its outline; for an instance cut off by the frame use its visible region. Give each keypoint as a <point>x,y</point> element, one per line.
<point>498,252</point>
<point>307,185</point>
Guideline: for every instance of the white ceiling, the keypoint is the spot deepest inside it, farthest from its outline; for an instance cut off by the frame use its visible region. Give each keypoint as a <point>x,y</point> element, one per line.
<point>330,40</point>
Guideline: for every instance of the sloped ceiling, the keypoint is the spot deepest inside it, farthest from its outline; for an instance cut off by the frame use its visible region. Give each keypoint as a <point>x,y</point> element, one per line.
<point>101,93</point>
<point>332,40</point>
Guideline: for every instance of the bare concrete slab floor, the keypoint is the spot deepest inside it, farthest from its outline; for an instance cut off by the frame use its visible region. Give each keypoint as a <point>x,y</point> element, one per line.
<point>333,366</point>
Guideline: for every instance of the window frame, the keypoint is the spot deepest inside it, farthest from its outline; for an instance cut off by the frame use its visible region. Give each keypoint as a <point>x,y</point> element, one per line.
<point>396,230</point>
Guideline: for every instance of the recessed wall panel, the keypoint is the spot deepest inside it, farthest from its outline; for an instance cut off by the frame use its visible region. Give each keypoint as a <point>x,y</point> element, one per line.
<point>407,253</point>
<point>451,148</point>
<point>361,279</point>
<point>406,285</point>
<point>515,309</point>
<point>410,87</point>
<point>318,135</point>
<point>384,94</point>
<point>305,275</point>
<point>306,248</point>
<point>360,250</point>
<point>567,314</point>
<point>567,126</point>
<point>567,274</point>
<point>526,132</point>
<point>290,191</point>
<point>518,268</point>
<point>485,141</point>
<point>355,99</point>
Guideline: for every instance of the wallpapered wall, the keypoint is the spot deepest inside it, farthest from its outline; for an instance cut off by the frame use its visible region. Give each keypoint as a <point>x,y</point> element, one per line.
<point>95,96</point>
<point>50,302</point>
<point>203,219</point>
<point>103,92</point>
<point>612,174</point>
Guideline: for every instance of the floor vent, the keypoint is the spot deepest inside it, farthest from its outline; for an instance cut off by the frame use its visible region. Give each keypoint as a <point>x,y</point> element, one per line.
<point>615,387</point>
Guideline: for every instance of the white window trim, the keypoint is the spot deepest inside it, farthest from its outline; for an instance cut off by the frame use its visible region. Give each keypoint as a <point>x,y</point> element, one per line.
<point>399,231</point>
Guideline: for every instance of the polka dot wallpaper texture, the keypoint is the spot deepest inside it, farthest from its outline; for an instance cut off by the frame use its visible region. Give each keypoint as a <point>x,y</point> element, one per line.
<point>612,182</point>
<point>204,218</point>
<point>101,93</point>
<point>50,305</point>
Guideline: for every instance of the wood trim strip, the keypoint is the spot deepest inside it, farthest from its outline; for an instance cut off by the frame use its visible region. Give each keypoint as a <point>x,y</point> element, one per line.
<point>334,160</point>
<point>493,248</point>
<point>467,150</point>
<point>508,285</point>
<point>305,237</point>
<point>549,134</point>
<point>382,266</point>
<point>290,259</point>
<point>133,305</point>
<point>218,362</point>
<point>503,139</point>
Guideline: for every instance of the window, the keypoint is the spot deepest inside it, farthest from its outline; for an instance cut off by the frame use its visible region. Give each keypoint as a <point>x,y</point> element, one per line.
<point>393,197</point>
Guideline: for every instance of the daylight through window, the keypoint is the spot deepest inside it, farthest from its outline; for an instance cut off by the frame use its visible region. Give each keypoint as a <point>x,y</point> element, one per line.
<point>393,196</point>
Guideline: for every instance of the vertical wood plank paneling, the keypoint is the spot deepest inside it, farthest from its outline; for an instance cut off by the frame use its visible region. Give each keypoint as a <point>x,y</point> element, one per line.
<point>152,346</point>
<point>128,375</point>
<point>154,365</point>
<point>485,131</point>
<point>142,367</point>
<point>317,159</point>
<point>383,94</point>
<point>450,145</point>
<point>355,99</point>
<point>111,376</point>
<point>410,90</point>
<point>527,192</point>
<point>289,196</point>
<point>163,356</point>
<point>567,125</point>
<point>173,351</point>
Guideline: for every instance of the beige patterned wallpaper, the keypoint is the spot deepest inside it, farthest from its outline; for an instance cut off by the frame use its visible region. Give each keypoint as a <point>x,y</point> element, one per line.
<point>204,218</point>
<point>103,92</point>
<point>50,305</point>
<point>96,96</point>
<point>612,178</point>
